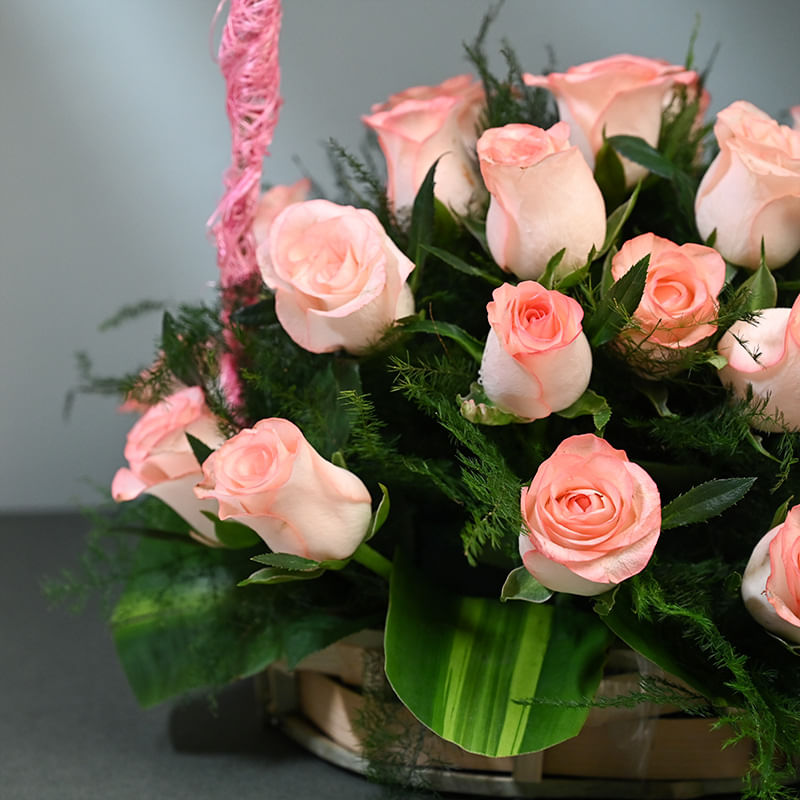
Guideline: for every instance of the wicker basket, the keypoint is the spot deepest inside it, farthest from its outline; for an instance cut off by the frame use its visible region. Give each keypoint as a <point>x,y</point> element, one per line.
<point>643,752</point>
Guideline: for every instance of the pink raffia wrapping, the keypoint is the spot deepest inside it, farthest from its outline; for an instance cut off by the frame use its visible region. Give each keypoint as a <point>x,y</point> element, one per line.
<point>248,60</point>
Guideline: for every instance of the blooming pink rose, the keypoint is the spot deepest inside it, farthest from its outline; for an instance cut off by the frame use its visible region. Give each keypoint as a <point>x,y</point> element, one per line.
<point>339,280</point>
<point>423,123</point>
<point>771,581</point>
<point>543,198</point>
<point>593,518</point>
<point>161,461</point>
<point>765,355</point>
<point>272,202</point>
<point>751,191</point>
<point>679,306</point>
<point>621,94</point>
<point>271,479</point>
<point>537,359</point>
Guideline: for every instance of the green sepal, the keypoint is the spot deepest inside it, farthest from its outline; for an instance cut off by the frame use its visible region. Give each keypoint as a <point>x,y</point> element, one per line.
<point>478,408</point>
<point>779,517</point>
<point>616,308</point>
<point>270,575</point>
<point>462,266</point>
<point>760,290</point>
<point>232,534</point>
<point>521,585</point>
<point>200,449</point>
<point>548,277</point>
<point>380,515</point>
<point>705,501</point>
<point>589,403</point>
<point>337,459</point>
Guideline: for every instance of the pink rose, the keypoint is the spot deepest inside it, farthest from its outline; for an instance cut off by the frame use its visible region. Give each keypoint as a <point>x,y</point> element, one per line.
<point>161,461</point>
<point>272,202</point>
<point>771,580</point>
<point>339,280</point>
<point>543,198</point>
<point>765,355</point>
<point>272,480</point>
<point>593,518</point>
<point>621,94</point>
<point>679,306</point>
<point>420,124</point>
<point>751,191</point>
<point>537,359</point>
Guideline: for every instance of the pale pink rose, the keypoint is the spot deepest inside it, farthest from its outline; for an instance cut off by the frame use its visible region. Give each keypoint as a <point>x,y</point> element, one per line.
<point>423,123</point>
<point>537,359</point>
<point>543,198</point>
<point>679,306</point>
<point>270,478</point>
<point>795,112</point>
<point>593,518</point>
<point>272,202</point>
<point>764,355</point>
<point>339,280</point>
<point>622,94</point>
<point>161,462</point>
<point>751,191</point>
<point>771,580</point>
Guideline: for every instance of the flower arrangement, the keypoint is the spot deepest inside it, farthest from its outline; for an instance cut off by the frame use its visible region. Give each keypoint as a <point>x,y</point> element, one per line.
<point>534,391</point>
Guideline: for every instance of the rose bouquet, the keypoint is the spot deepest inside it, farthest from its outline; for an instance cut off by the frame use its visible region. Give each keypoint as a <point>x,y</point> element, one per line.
<point>532,390</point>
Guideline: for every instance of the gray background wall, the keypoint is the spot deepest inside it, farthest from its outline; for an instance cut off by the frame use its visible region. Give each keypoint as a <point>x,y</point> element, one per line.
<point>113,140</point>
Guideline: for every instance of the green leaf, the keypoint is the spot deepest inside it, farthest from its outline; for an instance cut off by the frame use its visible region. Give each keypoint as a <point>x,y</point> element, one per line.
<point>469,343</point>
<point>779,517</point>
<point>183,624</point>
<point>609,175</point>
<point>760,290</point>
<point>233,534</point>
<point>589,403</point>
<point>616,221</point>
<point>200,449</point>
<point>478,408</point>
<point>381,513</point>
<point>462,266</point>
<point>704,501</point>
<point>293,563</point>
<point>271,575</point>
<point>657,394</point>
<point>477,227</point>
<point>521,585</point>
<point>465,666</point>
<point>640,152</point>
<point>547,278</point>
<point>422,215</point>
<point>616,308</point>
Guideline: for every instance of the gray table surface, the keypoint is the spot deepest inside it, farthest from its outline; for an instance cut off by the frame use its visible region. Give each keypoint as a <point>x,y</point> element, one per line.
<point>71,729</point>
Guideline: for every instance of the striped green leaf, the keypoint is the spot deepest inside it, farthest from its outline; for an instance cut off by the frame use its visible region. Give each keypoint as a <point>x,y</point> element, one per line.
<point>467,667</point>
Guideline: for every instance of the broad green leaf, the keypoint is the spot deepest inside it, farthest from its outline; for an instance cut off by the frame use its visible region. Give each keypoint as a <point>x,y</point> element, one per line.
<point>613,311</point>
<point>182,623</point>
<point>616,221</point>
<point>469,343</point>
<point>760,290</point>
<point>704,501</point>
<point>521,585</point>
<point>271,575</point>
<point>548,277</point>
<point>464,666</point>
<point>233,534</point>
<point>478,408</point>
<point>462,266</point>
<point>200,449</point>
<point>610,175</point>
<point>589,403</point>
<point>639,151</point>
<point>291,562</point>
<point>422,216</point>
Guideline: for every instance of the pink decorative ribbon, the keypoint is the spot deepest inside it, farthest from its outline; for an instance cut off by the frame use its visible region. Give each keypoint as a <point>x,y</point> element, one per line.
<point>248,60</point>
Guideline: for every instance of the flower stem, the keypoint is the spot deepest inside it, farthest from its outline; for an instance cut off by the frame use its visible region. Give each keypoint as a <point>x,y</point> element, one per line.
<point>371,559</point>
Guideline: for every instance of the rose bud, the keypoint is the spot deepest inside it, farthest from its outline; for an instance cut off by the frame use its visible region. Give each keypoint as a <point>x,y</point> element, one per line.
<point>543,198</point>
<point>751,191</point>
<point>621,94</point>
<point>161,461</point>
<point>764,357</point>
<point>771,580</point>
<point>592,518</point>
<point>537,359</point>
<point>679,305</point>
<point>270,478</point>
<point>339,280</point>
<point>423,123</point>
